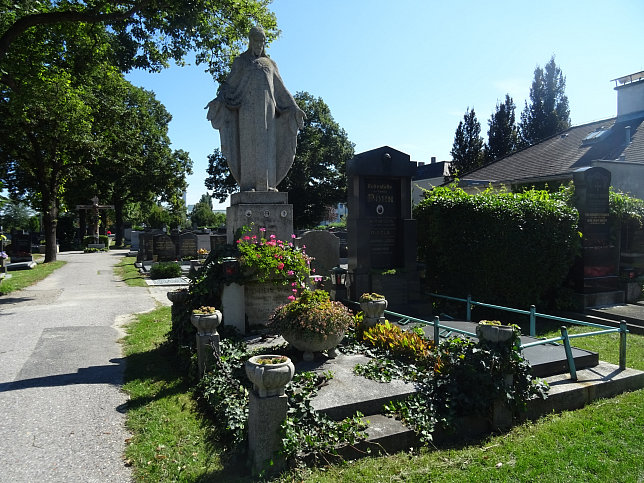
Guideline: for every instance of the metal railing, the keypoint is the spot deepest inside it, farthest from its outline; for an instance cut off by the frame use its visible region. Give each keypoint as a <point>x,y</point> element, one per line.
<point>533,314</point>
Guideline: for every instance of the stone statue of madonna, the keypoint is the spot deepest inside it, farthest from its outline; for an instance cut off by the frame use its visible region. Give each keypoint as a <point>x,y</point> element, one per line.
<point>257,119</point>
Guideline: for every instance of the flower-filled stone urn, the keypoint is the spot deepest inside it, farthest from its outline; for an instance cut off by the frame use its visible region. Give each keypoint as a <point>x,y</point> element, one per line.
<point>312,323</point>
<point>206,320</point>
<point>269,374</point>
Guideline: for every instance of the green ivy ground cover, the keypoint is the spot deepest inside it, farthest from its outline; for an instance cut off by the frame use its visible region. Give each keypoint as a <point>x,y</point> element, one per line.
<point>172,441</point>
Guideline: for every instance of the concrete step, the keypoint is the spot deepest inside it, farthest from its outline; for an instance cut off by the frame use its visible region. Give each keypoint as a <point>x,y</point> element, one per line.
<point>602,381</point>
<point>632,314</point>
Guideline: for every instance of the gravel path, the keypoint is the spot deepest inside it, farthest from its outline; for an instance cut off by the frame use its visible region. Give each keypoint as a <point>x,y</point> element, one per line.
<point>61,368</point>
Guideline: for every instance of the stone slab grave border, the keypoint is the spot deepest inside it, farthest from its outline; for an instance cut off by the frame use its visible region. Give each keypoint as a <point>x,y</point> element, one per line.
<point>345,394</point>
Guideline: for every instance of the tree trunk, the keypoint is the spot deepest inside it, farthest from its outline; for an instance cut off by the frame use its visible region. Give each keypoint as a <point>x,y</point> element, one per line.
<point>82,225</point>
<point>118,211</point>
<point>50,220</point>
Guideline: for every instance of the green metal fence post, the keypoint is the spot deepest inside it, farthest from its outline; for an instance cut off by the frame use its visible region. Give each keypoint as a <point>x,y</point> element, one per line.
<point>533,320</point>
<point>571,360</point>
<point>437,335</point>
<point>469,309</point>
<point>622,344</point>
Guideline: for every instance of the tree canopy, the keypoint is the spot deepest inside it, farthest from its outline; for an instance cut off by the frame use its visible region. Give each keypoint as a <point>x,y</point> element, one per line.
<point>502,133</point>
<point>60,70</point>
<point>467,150</point>
<point>316,179</point>
<point>142,33</point>
<point>202,214</point>
<point>548,112</point>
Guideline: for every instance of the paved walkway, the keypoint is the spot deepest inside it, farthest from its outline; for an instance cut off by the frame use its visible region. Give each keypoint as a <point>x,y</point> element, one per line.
<point>61,366</point>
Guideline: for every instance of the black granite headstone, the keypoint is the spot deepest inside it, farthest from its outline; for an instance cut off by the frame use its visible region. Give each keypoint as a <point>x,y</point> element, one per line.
<point>163,247</point>
<point>381,232</point>
<point>598,267</point>
<point>187,248</point>
<point>217,241</point>
<point>20,248</point>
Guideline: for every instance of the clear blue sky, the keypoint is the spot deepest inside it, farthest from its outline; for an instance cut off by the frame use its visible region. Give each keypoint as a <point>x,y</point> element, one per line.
<point>402,73</point>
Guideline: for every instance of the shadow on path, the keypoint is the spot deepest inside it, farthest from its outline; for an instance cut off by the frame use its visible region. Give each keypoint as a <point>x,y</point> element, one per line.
<point>107,374</point>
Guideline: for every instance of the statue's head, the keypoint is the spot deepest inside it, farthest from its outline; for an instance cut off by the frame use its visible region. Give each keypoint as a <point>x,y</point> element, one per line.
<point>256,40</point>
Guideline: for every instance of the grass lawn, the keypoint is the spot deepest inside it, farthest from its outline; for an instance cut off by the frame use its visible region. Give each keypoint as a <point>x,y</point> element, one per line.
<point>170,439</point>
<point>129,273</point>
<point>24,278</point>
<point>601,442</point>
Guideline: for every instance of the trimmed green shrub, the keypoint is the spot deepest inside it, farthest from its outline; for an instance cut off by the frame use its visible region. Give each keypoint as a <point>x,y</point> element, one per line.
<point>165,270</point>
<point>511,249</point>
<point>104,239</point>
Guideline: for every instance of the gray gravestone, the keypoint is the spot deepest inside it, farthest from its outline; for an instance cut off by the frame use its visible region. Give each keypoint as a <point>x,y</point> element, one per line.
<point>203,241</point>
<point>163,247</point>
<point>134,239</point>
<point>324,247</point>
<point>382,234</point>
<point>187,246</point>
<point>145,247</point>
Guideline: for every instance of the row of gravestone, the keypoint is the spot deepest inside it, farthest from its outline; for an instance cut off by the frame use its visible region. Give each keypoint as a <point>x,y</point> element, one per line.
<point>176,246</point>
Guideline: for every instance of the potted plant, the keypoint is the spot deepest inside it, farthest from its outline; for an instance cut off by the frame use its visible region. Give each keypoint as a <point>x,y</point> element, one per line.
<point>312,323</point>
<point>373,305</point>
<point>178,296</point>
<point>269,373</point>
<point>271,259</point>
<point>494,331</point>
<point>206,319</point>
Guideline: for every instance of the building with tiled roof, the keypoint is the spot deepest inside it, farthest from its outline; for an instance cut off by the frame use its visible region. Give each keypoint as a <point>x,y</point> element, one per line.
<point>616,144</point>
<point>427,177</point>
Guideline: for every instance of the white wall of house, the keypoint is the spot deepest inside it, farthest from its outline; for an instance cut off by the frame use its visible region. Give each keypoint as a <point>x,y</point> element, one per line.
<point>418,187</point>
<point>625,177</point>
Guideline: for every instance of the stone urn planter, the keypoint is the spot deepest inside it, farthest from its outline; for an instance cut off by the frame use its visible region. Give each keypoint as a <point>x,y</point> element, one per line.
<point>312,323</point>
<point>373,305</point>
<point>178,296</point>
<point>269,374</point>
<point>494,333</point>
<point>206,320</point>
<point>311,342</point>
<point>206,323</point>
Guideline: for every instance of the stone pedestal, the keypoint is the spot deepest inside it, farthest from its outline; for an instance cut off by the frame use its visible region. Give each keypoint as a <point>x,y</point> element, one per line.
<point>260,209</point>
<point>265,415</point>
<point>207,345</point>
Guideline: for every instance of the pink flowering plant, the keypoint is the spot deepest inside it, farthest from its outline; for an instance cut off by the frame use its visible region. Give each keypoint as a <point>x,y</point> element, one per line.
<point>273,259</point>
<point>312,313</point>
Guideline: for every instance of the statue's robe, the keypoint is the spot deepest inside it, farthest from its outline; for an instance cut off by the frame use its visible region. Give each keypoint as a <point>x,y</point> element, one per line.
<point>257,119</point>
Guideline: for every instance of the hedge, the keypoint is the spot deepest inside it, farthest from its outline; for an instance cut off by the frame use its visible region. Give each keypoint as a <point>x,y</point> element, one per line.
<point>511,249</point>
<point>104,239</point>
